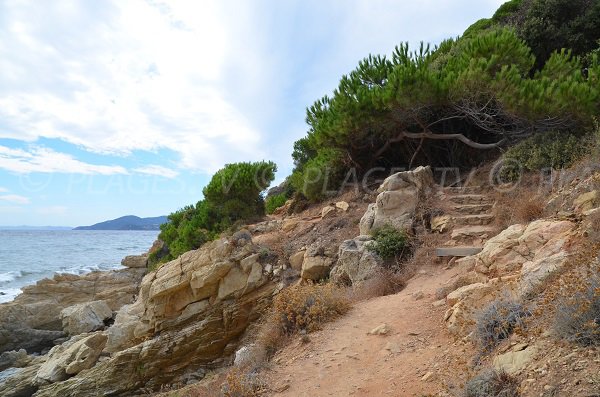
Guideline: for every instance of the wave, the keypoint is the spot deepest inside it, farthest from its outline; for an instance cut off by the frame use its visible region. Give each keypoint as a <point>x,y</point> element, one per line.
<point>8,294</point>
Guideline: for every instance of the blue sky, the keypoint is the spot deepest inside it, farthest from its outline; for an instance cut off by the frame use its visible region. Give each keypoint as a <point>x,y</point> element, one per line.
<point>109,108</point>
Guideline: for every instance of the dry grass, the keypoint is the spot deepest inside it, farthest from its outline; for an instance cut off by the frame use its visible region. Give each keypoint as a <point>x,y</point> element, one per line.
<point>384,282</point>
<point>524,204</point>
<point>497,321</point>
<point>492,383</point>
<point>240,383</point>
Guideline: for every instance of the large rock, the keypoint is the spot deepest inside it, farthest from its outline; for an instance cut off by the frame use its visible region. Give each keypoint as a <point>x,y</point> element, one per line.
<point>32,320</point>
<point>135,261</point>
<point>85,317</point>
<point>317,263</point>
<point>356,263</point>
<point>70,358</point>
<point>398,198</point>
<point>513,361</point>
<point>188,317</point>
<point>16,359</point>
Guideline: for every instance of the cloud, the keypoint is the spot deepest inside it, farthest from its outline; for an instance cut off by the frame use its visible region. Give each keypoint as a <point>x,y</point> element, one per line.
<point>53,210</point>
<point>2,190</point>
<point>42,159</point>
<point>156,170</point>
<point>14,198</point>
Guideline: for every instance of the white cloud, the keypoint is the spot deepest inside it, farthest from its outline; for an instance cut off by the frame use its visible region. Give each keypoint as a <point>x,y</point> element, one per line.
<point>41,159</point>
<point>156,170</point>
<point>2,190</point>
<point>14,198</point>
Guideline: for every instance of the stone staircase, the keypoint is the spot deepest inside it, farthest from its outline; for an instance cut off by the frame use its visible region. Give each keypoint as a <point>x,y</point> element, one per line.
<point>468,217</point>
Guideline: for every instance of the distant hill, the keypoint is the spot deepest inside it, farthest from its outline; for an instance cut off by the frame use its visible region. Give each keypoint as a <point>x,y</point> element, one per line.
<point>128,222</point>
<point>26,228</point>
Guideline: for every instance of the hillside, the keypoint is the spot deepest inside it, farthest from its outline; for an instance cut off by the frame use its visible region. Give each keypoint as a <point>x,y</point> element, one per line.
<point>128,222</point>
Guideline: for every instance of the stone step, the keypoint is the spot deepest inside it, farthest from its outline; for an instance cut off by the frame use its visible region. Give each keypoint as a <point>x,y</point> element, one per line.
<point>462,189</point>
<point>470,199</point>
<point>467,232</point>
<point>458,251</point>
<point>472,209</point>
<point>478,219</point>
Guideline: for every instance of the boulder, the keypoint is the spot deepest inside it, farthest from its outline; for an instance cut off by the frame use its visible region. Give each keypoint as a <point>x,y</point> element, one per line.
<point>297,259</point>
<point>317,263</point>
<point>587,201</point>
<point>512,362</point>
<point>356,263</point>
<point>70,358</point>
<point>18,382</point>
<point>440,223</point>
<point>85,317</point>
<point>135,261</point>
<point>397,201</point>
<point>15,359</point>
<point>474,291</point>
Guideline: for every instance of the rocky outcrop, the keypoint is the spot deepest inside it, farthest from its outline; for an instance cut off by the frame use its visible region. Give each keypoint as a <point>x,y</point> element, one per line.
<point>32,320</point>
<point>397,201</point>
<point>85,317</point>
<point>187,318</point>
<point>356,263</point>
<point>135,261</point>
<point>317,263</point>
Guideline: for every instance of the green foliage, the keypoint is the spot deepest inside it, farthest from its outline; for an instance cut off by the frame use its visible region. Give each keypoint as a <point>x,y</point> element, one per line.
<point>232,195</point>
<point>507,10</point>
<point>274,202</point>
<point>478,27</point>
<point>550,150</point>
<point>319,175</point>
<point>389,242</point>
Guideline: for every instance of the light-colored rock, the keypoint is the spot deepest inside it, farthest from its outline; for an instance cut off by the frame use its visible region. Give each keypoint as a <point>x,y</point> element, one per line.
<point>514,361</point>
<point>382,329</point>
<point>342,205</point>
<point>356,263</point>
<point>328,210</point>
<point>289,224</point>
<point>397,201</point>
<point>72,357</point>
<point>135,261</point>
<point>234,282</point>
<point>15,359</point>
<point>317,263</point>
<point>297,259</point>
<point>587,201</point>
<point>533,273</point>
<point>85,317</point>
<point>440,223</point>
<point>478,289</point>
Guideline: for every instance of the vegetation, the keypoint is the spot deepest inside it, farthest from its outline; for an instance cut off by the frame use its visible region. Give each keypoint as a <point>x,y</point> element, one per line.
<point>492,383</point>
<point>498,321</point>
<point>274,202</point>
<point>232,195</point>
<point>240,383</point>
<point>389,243</point>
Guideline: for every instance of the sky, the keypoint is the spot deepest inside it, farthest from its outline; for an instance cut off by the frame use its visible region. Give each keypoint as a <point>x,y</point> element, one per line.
<point>110,108</point>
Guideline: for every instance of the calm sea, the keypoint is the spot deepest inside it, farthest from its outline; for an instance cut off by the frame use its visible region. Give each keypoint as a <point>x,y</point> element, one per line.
<point>29,256</point>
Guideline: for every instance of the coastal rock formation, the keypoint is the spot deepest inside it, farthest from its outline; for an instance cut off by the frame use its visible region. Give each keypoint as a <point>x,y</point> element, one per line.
<point>355,262</point>
<point>397,201</point>
<point>85,317</point>
<point>187,318</point>
<point>135,261</point>
<point>32,320</point>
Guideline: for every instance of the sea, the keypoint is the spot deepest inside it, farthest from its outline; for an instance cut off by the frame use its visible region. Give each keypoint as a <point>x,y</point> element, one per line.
<point>29,256</point>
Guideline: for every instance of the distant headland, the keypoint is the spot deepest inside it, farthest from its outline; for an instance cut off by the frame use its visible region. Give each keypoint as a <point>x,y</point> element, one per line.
<point>128,222</point>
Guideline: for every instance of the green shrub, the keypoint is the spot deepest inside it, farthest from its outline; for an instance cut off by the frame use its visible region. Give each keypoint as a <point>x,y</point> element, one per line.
<point>491,383</point>
<point>498,321</point>
<point>274,202</point>
<point>389,242</point>
<point>577,317</point>
<point>319,175</point>
<point>506,10</point>
<point>547,150</point>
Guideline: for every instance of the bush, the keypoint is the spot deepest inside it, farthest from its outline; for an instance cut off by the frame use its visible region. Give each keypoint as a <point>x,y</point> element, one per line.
<point>307,307</point>
<point>242,384</point>
<point>274,202</point>
<point>491,383</point>
<point>498,321</point>
<point>577,317</point>
<point>319,175</point>
<point>548,150</point>
<point>389,243</point>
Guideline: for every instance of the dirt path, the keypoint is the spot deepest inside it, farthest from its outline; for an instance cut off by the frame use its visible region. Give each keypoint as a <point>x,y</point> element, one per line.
<point>415,358</point>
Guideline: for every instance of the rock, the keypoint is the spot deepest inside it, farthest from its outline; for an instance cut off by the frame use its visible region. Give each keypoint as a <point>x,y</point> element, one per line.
<point>382,329</point>
<point>297,259</point>
<point>461,280</point>
<point>514,361</point>
<point>440,223</point>
<point>85,317</point>
<point>135,261</point>
<point>587,201</point>
<point>18,382</point>
<point>478,289</point>
<point>356,263</point>
<point>32,320</point>
<point>342,205</point>
<point>289,224</point>
<point>248,356</point>
<point>533,273</point>
<point>317,263</point>
<point>15,359</point>
<point>72,357</point>
<point>397,201</point>
<point>427,377</point>
<point>326,211</point>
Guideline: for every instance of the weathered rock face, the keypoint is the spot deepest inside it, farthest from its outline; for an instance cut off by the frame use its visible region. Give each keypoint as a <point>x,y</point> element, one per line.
<point>135,261</point>
<point>85,317</point>
<point>188,317</point>
<point>398,198</point>
<point>32,321</point>
<point>356,263</point>
<point>317,263</point>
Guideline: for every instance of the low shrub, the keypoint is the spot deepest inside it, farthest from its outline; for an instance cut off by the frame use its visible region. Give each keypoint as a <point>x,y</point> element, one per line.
<point>577,317</point>
<point>390,243</point>
<point>240,383</point>
<point>498,321</point>
<point>492,383</point>
<point>307,307</point>
<point>274,202</point>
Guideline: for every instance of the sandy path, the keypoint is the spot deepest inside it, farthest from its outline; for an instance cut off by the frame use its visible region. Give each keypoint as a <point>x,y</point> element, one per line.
<point>415,358</point>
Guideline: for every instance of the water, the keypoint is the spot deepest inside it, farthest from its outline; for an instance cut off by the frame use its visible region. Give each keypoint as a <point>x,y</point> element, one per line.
<point>29,256</point>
